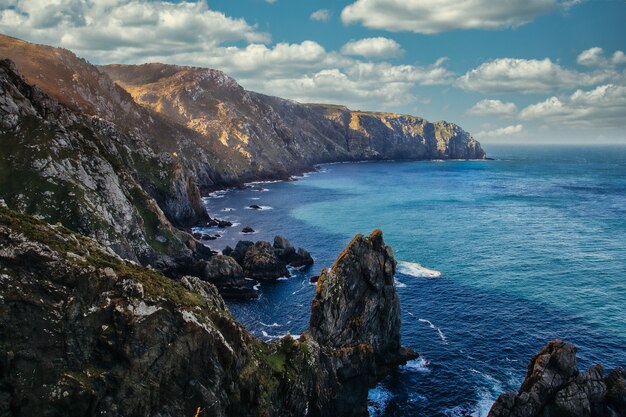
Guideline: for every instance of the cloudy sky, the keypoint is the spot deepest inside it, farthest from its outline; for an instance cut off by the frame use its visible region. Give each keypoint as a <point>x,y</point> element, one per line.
<point>505,70</point>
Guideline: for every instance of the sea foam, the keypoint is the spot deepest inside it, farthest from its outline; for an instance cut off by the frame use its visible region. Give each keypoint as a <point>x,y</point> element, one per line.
<point>416,270</point>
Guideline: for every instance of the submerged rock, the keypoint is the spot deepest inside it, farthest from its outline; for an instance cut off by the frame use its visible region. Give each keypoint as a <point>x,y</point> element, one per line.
<point>255,207</point>
<point>554,387</point>
<point>247,229</point>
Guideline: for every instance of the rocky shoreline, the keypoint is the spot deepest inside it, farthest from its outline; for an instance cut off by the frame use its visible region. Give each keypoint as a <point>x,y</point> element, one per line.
<point>110,306</point>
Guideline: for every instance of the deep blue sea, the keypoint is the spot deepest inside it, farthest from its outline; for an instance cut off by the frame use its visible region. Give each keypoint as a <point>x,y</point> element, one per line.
<point>530,246</point>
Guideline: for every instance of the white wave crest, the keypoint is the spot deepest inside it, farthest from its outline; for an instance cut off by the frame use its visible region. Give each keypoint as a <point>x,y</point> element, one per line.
<point>417,365</point>
<point>416,270</point>
<point>269,325</point>
<point>442,336</point>
<point>399,284</point>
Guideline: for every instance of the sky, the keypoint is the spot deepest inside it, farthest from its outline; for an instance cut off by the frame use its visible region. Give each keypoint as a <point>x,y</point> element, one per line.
<point>507,71</point>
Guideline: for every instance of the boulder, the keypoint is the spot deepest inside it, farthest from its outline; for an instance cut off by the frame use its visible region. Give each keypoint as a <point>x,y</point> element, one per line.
<point>255,207</point>
<point>224,223</point>
<point>288,254</point>
<point>283,249</point>
<point>227,275</point>
<point>260,262</point>
<point>247,229</point>
<point>240,250</point>
<point>302,259</point>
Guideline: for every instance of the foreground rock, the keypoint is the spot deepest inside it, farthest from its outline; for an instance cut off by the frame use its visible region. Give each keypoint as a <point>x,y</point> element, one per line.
<point>554,387</point>
<point>91,334</point>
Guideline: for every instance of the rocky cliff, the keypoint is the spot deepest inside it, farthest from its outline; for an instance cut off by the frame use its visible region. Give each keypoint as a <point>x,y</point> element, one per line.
<point>554,387</point>
<point>83,332</point>
<point>82,171</point>
<point>282,136</point>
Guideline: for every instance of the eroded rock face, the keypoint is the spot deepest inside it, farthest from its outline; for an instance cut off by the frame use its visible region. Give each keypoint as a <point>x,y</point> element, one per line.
<point>84,333</point>
<point>553,387</point>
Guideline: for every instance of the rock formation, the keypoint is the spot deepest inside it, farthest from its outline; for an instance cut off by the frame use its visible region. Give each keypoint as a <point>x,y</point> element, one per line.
<point>260,262</point>
<point>92,334</point>
<point>554,387</point>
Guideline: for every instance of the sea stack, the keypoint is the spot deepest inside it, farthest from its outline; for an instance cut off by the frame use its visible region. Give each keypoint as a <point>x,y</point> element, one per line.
<point>355,318</point>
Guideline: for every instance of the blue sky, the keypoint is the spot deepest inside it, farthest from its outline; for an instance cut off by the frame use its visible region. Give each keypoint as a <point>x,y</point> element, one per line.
<point>507,70</point>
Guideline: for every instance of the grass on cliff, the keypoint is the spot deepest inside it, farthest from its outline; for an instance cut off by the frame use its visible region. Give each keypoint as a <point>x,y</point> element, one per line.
<point>63,240</point>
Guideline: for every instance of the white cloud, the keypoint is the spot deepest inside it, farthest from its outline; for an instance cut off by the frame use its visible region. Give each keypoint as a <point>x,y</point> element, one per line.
<point>594,57</point>
<point>128,28</point>
<point>502,131</point>
<point>618,58</point>
<point>505,75</point>
<point>321,15</point>
<point>601,108</point>
<point>373,48</point>
<point>488,107</point>
<point>425,16</point>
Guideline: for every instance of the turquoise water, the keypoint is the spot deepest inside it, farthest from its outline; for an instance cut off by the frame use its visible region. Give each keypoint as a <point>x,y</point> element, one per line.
<point>530,247</point>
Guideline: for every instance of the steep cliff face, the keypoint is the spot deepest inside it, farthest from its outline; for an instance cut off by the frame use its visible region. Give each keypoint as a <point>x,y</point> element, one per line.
<point>83,332</point>
<point>554,387</point>
<point>279,135</point>
<point>82,172</point>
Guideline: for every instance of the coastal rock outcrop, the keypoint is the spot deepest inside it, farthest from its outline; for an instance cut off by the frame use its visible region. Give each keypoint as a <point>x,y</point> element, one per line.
<point>554,387</point>
<point>288,254</point>
<point>260,262</point>
<point>108,337</point>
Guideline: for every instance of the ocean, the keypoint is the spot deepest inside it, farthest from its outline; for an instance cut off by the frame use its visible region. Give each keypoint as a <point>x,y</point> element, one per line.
<point>496,258</point>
